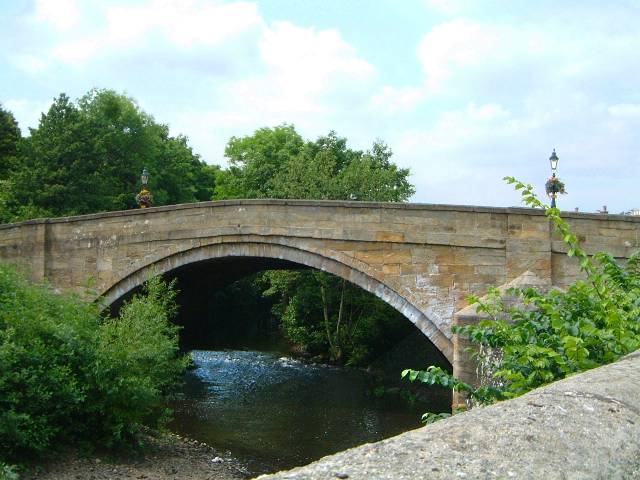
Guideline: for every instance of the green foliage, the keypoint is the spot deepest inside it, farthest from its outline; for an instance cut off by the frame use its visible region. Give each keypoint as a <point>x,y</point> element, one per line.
<point>429,417</point>
<point>551,335</point>
<point>68,375</point>
<point>87,157</point>
<point>8,472</point>
<point>137,365</point>
<point>433,375</point>
<point>278,163</point>
<point>256,160</point>
<point>330,316</point>
<point>9,137</point>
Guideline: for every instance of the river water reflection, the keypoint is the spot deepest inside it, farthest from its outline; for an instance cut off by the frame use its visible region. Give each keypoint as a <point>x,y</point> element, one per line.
<point>273,412</point>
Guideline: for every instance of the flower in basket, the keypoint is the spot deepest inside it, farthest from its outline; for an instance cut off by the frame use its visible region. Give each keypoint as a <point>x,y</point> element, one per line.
<point>144,198</point>
<point>554,185</point>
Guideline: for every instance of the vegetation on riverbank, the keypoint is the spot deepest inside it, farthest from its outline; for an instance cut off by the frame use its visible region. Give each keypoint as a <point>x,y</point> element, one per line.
<point>551,335</point>
<point>70,376</point>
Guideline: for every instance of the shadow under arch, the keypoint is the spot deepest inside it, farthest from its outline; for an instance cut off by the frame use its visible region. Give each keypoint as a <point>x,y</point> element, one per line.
<point>288,253</point>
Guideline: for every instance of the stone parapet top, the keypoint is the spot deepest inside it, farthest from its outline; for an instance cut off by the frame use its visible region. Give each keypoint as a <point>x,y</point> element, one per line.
<point>324,203</point>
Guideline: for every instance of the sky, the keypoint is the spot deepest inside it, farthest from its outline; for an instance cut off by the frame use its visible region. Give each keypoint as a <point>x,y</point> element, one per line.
<point>463,91</point>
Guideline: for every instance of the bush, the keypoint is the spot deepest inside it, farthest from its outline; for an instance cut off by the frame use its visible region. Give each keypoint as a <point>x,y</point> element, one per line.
<point>593,322</point>
<point>68,375</point>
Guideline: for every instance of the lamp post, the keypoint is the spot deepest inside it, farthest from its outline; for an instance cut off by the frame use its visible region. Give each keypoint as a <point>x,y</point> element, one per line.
<point>144,198</point>
<point>554,185</point>
<point>145,176</point>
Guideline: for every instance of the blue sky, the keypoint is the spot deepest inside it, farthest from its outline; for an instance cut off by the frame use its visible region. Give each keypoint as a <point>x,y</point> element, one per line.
<point>464,91</point>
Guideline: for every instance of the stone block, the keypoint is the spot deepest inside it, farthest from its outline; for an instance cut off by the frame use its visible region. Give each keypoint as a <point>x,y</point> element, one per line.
<point>391,269</point>
<point>371,257</point>
<point>397,256</point>
<point>385,236</point>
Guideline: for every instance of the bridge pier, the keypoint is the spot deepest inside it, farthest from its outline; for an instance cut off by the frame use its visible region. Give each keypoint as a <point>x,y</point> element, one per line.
<point>465,366</point>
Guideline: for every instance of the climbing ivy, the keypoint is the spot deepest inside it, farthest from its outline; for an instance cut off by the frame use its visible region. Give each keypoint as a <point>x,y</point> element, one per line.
<point>549,335</point>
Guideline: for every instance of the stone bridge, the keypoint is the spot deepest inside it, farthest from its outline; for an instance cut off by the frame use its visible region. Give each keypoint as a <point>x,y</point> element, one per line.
<point>421,259</point>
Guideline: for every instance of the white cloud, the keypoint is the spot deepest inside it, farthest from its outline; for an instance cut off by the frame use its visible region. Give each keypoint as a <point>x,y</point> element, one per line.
<point>448,7</point>
<point>78,52</point>
<point>488,112</point>
<point>62,14</point>
<point>309,60</point>
<point>457,131</point>
<point>458,43</point>
<point>303,69</point>
<point>463,156</point>
<point>187,23</point>
<point>30,64</point>
<point>397,100</point>
<point>625,110</point>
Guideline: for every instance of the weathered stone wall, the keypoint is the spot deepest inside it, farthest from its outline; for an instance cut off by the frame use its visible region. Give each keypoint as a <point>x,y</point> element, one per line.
<point>422,259</point>
<point>584,427</point>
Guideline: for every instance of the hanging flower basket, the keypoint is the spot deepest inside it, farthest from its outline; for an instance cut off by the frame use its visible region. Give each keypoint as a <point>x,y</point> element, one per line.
<point>554,185</point>
<point>144,198</point>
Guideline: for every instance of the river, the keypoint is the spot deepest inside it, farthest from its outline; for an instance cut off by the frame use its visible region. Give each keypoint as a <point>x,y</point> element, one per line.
<point>271,412</point>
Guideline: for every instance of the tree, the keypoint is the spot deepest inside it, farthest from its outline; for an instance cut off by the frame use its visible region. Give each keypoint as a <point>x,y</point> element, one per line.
<point>87,156</point>
<point>317,311</point>
<point>278,163</point>
<point>9,138</point>
<point>255,161</point>
<point>329,316</point>
<point>373,177</point>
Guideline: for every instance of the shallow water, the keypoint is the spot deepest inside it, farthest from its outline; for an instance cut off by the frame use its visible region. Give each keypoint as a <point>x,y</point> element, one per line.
<point>273,412</point>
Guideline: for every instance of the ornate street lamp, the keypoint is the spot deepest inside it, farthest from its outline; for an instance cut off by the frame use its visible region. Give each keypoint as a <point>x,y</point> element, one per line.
<point>145,176</point>
<point>553,160</point>
<point>554,185</point>
<point>144,198</point>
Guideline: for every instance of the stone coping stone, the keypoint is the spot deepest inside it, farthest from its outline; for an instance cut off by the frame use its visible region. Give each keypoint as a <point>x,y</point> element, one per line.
<point>325,203</point>
<point>583,427</point>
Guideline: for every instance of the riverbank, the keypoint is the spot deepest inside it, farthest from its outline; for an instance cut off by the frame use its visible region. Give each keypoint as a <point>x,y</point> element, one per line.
<point>169,458</point>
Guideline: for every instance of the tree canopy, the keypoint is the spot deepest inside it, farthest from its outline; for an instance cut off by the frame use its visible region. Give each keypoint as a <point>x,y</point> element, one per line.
<point>9,138</point>
<point>278,163</point>
<point>86,156</point>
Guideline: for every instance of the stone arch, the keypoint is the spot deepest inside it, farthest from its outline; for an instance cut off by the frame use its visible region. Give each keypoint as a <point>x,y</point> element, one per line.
<point>338,267</point>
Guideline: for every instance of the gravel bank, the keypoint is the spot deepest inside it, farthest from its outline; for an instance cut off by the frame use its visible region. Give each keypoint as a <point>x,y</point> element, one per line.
<point>171,458</point>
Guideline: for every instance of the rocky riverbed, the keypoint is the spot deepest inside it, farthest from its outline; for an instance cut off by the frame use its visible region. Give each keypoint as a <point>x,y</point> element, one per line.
<point>169,458</point>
